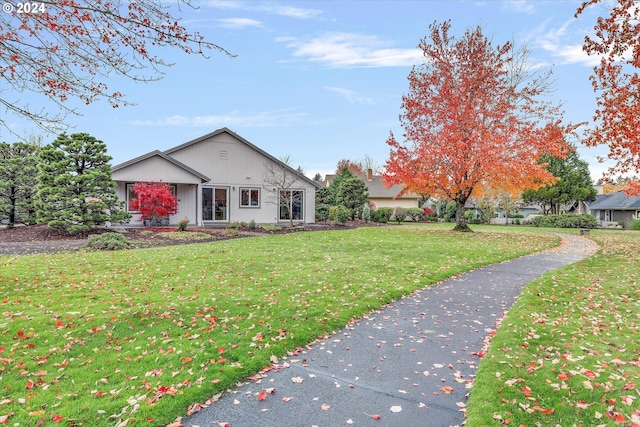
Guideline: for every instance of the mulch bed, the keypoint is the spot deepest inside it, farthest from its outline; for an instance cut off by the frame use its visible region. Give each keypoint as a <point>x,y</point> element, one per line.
<point>43,239</point>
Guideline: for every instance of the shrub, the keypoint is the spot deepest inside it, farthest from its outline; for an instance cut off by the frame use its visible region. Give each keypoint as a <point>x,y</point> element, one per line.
<point>271,227</point>
<point>448,211</point>
<point>235,225</point>
<point>366,213</point>
<point>635,224</point>
<point>566,221</point>
<point>252,224</point>
<point>339,214</point>
<point>154,201</point>
<point>322,212</point>
<point>416,214</point>
<point>399,213</point>
<point>182,225</point>
<point>382,215</point>
<point>232,232</point>
<point>108,241</point>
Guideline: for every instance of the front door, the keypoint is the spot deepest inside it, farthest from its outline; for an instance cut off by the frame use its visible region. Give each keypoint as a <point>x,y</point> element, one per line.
<point>215,204</point>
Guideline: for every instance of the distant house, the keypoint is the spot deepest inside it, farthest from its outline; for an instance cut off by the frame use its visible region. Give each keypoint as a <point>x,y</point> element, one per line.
<point>220,178</point>
<point>616,208</point>
<point>379,195</point>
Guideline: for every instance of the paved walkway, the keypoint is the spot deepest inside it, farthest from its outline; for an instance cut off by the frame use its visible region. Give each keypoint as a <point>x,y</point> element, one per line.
<point>408,364</point>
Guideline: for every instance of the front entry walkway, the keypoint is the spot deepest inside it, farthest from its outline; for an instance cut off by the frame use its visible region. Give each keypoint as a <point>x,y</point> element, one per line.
<point>407,364</point>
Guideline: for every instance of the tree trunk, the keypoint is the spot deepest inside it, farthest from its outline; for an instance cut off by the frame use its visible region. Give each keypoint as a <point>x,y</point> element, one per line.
<point>12,209</point>
<point>461,221</point>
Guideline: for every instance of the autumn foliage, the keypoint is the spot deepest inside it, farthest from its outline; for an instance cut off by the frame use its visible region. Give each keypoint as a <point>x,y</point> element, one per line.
<point>154,200</point>
<point>473,119</point>
<point>65,49</point>
<point>616,82</point>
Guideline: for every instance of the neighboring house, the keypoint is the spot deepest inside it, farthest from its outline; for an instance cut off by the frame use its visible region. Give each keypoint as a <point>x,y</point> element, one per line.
<point>576,207</point>
<point>615,208</point>
<point>381,196</point>
<point>220,178</point>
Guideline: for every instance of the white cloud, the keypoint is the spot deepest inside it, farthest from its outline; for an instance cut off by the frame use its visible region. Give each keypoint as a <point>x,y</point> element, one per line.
<point>351,96</point>
<point>562,43</point>
<point>269,7</point>
<point>349,50</point>
<point>239,23</point>
<point>260,119</point>
<point>571,54</point>
<point>296,12</point>
<point>520,6</point>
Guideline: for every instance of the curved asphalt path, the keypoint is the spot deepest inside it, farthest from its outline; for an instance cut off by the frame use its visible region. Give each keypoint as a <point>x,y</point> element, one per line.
<point>417,355</point>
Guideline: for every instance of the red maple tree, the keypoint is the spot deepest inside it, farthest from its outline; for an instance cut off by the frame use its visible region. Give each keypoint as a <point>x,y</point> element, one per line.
<point>617,42</point>
<point>473,120</point>
<point>65,48</point>
<point>154,200</point>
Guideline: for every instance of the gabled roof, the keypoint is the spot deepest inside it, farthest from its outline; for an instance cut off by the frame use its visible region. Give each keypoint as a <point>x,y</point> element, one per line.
<point>616,201</point>
<point>376,188</point>
<point>244,141</point>
<point>164,157</point>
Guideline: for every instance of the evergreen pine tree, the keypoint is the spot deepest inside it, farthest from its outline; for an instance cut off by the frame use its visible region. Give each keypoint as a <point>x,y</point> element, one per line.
<point>18,171</point>
<point>352,194</point>
<point>75,191</point>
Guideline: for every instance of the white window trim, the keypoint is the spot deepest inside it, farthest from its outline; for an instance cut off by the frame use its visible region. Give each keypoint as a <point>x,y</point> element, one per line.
<point>250,189</point>
<point>303,207</point>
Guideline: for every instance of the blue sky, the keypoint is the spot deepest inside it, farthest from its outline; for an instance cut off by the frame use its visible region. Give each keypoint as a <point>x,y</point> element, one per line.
<point>320,81</point>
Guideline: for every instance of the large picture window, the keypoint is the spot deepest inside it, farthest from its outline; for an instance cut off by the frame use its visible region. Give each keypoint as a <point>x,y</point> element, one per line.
<point>249,197</point>
<point>291,205</point>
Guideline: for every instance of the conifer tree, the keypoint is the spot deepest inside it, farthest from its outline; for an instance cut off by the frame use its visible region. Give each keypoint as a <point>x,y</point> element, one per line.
<point>18,171</point>
<point>75,191</point>
<point>352,194</point>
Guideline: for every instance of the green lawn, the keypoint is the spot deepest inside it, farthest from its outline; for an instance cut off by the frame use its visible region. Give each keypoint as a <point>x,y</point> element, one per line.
<point>568,352</point>
<point>98,338</point>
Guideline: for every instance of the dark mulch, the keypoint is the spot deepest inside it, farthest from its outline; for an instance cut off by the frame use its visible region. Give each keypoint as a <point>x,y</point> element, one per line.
<point>29,239</point>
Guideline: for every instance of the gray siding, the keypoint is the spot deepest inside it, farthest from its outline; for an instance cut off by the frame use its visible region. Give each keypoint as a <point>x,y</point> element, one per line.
<point>154,169</point>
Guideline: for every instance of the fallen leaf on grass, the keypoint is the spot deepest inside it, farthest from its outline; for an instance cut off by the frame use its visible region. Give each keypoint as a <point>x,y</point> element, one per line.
<point>544,411</point>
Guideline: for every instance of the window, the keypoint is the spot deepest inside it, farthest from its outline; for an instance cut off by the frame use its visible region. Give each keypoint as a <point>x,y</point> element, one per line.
<point>249,198</point>
<point>130,195</point>
<point>215,204</point>
<point>291,205</point>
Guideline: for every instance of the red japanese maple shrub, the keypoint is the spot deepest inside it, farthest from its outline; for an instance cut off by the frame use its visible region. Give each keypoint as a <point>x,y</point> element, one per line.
<point>154,200</point>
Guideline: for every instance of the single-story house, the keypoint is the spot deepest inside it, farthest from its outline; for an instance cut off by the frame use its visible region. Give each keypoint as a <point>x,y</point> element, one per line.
<point>615,208</point>
<point>381,196</point>
<point>219,178</point>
